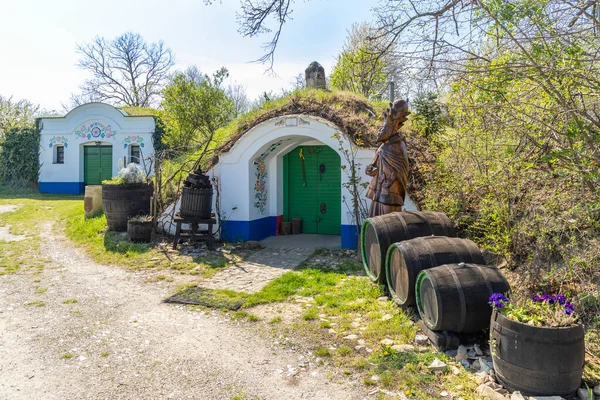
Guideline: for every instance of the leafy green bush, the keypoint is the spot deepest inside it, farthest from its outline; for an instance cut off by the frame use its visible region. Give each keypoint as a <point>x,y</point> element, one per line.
<point>20,157</point>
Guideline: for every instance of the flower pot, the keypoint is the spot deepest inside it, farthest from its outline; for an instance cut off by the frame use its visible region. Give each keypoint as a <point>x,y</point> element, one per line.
<point>122,202</point>
<point>139,231</point>
<point>537,361</point>
<point>196,203</point>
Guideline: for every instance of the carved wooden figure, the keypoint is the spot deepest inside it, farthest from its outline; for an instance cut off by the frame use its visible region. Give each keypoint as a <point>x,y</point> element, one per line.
<point>389,168</point>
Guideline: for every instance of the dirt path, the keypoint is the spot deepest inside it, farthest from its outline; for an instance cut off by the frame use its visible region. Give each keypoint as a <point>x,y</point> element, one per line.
<point>126,344</point>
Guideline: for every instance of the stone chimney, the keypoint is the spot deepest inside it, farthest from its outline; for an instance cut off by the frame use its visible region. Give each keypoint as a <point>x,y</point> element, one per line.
<point>315,76</point>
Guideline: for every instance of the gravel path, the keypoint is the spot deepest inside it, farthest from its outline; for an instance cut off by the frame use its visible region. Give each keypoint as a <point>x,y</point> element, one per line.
<point>126,344</point>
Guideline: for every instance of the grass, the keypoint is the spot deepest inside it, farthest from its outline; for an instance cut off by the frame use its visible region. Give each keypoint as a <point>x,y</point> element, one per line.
<point>69,301</point>
<point>114,248</point>
<point>37,303</point>
<point>67,356</point>
<point>41,290</point>
<point>348,304</point>
<point>90,234</point>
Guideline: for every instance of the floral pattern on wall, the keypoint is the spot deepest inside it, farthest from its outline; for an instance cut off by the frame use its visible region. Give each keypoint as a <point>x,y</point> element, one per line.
<point>260,187</point>
<point>95,130</point>
<point>54,140</point>
<point>133,140</point>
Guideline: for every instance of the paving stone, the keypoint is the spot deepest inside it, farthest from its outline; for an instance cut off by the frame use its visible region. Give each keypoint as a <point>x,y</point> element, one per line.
<point>252,274</point>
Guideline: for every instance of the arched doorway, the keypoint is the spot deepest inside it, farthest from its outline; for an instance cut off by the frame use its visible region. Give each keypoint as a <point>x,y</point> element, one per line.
<point>312,188</point>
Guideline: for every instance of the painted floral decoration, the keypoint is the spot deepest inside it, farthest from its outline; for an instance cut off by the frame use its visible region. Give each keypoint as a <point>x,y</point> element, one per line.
<point>59,140</point>
<point>539,310</point>
<point>133,140</point>
<point>260,186</point>
<point>95,130</point>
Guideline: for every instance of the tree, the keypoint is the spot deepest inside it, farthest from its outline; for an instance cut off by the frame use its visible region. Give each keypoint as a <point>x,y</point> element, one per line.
<point>16,114</point>
<point>196,106</point>
<point>125,71</point>
<point>237,93</point>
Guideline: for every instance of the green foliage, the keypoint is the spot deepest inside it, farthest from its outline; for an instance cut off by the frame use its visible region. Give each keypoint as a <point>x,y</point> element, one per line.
<point>15,115</point>
<point>19,157</point>
<point>196,106</point>
<point>359,71</point>
<point>428,116</point>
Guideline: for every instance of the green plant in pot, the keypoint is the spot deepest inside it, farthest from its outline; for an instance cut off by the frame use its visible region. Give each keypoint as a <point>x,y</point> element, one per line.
<point>139,228</point>
<point>126,195</point>
<point>537,344</point>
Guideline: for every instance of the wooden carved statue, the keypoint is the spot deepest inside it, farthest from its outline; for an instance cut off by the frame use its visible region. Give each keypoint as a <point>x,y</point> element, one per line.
<point>389,168</point>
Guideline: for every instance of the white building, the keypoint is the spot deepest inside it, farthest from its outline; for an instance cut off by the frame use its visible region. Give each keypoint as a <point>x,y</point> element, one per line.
<point>292,166</point>
<point>89,145</point>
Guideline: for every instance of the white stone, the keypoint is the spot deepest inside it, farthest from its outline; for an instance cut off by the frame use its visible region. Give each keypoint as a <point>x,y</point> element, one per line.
<point>361,342</point>
<point>437,365</point>
<point>387,317</point>
<point>444,394</point>
<point>421,340</point>
<point>387,342</point>
<point>517,396</point>
<point>462,353</point>
<point>487,392</point>
<point>403,348</point>
<point>351,337</point>
<point>455,370</point>
<point>383,298</point>
<point>478,350</point>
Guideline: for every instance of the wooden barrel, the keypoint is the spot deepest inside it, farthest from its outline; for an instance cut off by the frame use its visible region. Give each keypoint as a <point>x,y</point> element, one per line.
<point>196,203</point>
<point>378,233</point>
<point>92,201</point>
<point>537,361</point>
<point>139,231</point>
<point>454,297</point>
<point>286,228</point>
<point>406,259</point>
<point>122,202</point>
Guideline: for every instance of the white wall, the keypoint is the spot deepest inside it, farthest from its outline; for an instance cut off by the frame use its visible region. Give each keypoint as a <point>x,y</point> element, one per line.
<point>118,129</point>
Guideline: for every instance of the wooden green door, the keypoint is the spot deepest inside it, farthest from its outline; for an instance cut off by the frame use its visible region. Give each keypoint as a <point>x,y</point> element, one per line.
<point>97,164</point>
<point>312,189</point>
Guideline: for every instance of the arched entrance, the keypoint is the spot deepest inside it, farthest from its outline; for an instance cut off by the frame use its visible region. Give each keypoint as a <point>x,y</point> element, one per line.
<point>312,189</point>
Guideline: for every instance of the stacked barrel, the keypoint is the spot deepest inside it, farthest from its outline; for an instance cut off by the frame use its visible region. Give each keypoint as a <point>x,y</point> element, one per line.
<point>417,256</point>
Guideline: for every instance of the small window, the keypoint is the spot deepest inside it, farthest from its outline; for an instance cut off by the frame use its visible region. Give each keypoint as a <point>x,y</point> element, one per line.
<point>135,153</point>
<point>59,155</point>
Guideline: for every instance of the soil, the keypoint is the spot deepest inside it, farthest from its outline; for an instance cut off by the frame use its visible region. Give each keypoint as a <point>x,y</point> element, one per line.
<point>119,341</point>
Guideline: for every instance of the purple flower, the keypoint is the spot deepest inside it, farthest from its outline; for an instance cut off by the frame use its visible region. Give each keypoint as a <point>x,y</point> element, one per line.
<point>537,298</point>
<point>569,308</point>
<point>497,300</point>
<point>560,299</point>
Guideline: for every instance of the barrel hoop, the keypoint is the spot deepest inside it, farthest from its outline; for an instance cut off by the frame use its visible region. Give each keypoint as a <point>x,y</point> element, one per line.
<point>532,372</point>
<point>511,334</point>
<point>364,245</point>
<point>404,226</point>
<point>487,282</point>
<point>429,224</point>
<point>449,228</point>
<point>468,249</point>
<point>431,252</point>
<point>463,302</point>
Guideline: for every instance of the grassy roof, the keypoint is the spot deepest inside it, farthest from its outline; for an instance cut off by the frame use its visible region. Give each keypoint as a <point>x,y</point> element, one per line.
<point>356,116</point>
<point>140,111</point>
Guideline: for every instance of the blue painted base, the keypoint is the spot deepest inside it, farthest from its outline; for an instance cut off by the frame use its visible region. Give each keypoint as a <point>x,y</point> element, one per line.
<point>349,237</point>
<point>62,187</point>
<point>259,229</point>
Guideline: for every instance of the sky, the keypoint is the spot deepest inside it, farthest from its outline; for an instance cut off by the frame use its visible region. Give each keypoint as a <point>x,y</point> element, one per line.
<point>38,57</point>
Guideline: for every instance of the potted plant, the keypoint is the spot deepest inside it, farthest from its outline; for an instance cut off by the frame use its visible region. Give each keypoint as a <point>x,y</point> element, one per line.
<point>126,195</point>
<point>537,344</point>
<point>139,228</point>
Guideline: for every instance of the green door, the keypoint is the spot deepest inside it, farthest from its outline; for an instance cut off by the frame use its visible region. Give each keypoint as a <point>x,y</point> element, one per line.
<point>313,191</point>
<point>97,164</point>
